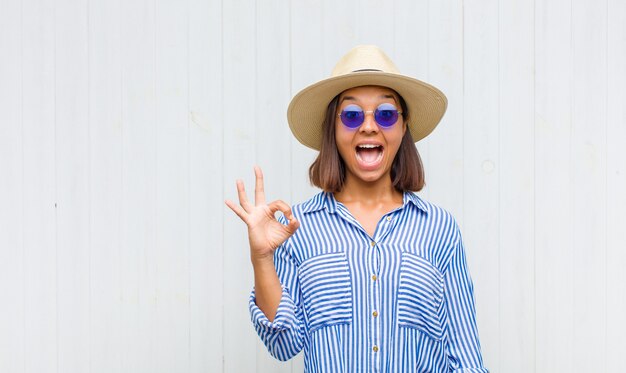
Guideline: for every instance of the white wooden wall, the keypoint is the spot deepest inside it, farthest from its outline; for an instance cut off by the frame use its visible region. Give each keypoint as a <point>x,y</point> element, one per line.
<point>124,124</point>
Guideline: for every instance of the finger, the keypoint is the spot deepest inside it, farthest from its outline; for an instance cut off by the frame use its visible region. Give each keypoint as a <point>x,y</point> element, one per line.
<point>243,198</point>
<point>281,206</point>
<point>293,225</point>
<point>259,189</point>
<point>237,210</point>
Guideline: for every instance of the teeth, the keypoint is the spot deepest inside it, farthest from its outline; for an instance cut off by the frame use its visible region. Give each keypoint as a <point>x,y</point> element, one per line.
<point>380,156</point>
<point>368,146</point>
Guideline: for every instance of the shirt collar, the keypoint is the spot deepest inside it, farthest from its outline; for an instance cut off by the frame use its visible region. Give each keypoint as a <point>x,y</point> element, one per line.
<point>327,200</point>
<point>318,202</point>
<point>410,197</point>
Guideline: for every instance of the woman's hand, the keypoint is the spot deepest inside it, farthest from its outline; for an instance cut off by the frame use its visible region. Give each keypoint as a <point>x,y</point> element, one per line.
<point>265,233</point>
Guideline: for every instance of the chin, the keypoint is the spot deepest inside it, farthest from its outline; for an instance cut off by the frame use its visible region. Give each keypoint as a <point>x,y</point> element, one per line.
<point>371,176</point>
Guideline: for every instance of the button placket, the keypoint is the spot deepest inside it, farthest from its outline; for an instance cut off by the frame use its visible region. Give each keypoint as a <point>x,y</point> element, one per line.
<point>375,304</point>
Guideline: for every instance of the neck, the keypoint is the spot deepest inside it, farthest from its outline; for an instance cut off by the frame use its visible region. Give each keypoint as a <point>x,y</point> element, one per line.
<point>358,191</point>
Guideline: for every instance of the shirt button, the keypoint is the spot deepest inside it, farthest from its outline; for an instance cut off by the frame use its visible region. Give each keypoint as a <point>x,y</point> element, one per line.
<point>388,218</point>
<point>374,277</point>
<point>375,314</point>
<point>373,243</point>
<point>375,348</point>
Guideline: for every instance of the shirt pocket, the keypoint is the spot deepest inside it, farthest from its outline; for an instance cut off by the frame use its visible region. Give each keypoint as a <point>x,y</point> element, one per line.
<point>326,290</point>
<point>420,296</point>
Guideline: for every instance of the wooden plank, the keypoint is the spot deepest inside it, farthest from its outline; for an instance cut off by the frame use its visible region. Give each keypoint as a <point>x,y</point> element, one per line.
<point>12,338</point>
<point>105,146</point>
<point>375,23</point>
<point>516,188</point>
<point>616,184</point>
<point>554,294</point>
<point>310,19</point>
<point>306,46</point>
<point>481,165</point>
<point>206,247</point>
<point>444,166</point>
<point>588,151</point>
<point>239,144</point>
<point>273,136</point>
<point>410,43</point>
<point>336,26</point>
<point>272,97</point>
<point>411,54</point>
<point>138,268</point>
<point>40,247</point>
<point>73,190</point>
<point>172,191</point>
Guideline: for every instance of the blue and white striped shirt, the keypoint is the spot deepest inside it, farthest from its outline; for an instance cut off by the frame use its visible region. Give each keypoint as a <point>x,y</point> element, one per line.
<point>401,301</point>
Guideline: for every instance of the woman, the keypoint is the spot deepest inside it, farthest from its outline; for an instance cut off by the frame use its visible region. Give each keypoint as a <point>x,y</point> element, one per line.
<point>365,276</point>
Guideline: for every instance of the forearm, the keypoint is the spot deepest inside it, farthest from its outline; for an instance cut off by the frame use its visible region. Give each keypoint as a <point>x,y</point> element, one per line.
<point>276,318</point>
<point>267,287</point>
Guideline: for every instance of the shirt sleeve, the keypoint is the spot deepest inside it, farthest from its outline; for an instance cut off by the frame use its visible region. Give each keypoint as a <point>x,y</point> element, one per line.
<point>284,337</point>
<point>463,344</point>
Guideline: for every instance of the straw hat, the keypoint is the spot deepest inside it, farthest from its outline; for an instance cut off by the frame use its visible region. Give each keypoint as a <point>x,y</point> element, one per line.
<point>364,65</point>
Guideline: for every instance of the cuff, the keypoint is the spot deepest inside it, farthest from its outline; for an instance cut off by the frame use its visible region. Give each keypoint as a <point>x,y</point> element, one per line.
<point>285,314</point>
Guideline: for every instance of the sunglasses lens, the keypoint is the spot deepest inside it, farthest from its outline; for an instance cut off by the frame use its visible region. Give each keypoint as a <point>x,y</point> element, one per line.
<point>352,116</point>
<point>386,115</point>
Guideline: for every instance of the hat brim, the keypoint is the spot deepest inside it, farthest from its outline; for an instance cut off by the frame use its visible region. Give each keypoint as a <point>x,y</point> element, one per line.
<point>307,110</point>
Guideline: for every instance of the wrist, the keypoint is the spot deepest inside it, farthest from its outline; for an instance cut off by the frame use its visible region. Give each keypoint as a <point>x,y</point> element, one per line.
<point>262,261</point>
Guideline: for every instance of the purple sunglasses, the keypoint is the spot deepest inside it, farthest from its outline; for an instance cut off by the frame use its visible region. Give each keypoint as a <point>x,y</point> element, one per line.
<point>386,115</point>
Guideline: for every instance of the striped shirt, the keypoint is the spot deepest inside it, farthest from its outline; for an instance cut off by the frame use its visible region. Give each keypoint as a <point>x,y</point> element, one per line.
<point>400,301</point>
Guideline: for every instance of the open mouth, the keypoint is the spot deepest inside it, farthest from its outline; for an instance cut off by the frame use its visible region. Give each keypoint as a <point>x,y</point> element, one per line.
<point>369,154</point>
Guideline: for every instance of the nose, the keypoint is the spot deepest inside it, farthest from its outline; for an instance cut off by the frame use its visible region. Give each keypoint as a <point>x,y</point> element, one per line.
<point>369,123</point>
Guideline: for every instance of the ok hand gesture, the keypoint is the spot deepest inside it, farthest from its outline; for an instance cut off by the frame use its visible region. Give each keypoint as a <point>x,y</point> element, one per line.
<point>265,233</point>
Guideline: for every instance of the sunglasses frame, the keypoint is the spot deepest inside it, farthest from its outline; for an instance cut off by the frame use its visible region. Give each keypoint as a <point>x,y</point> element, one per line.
<point>373,112</point>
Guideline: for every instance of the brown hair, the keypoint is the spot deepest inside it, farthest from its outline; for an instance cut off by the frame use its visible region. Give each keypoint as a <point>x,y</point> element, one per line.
<point>328,171</point>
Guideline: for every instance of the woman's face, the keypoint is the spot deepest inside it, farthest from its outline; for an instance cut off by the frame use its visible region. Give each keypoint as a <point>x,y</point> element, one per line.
<point>369,150</point>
